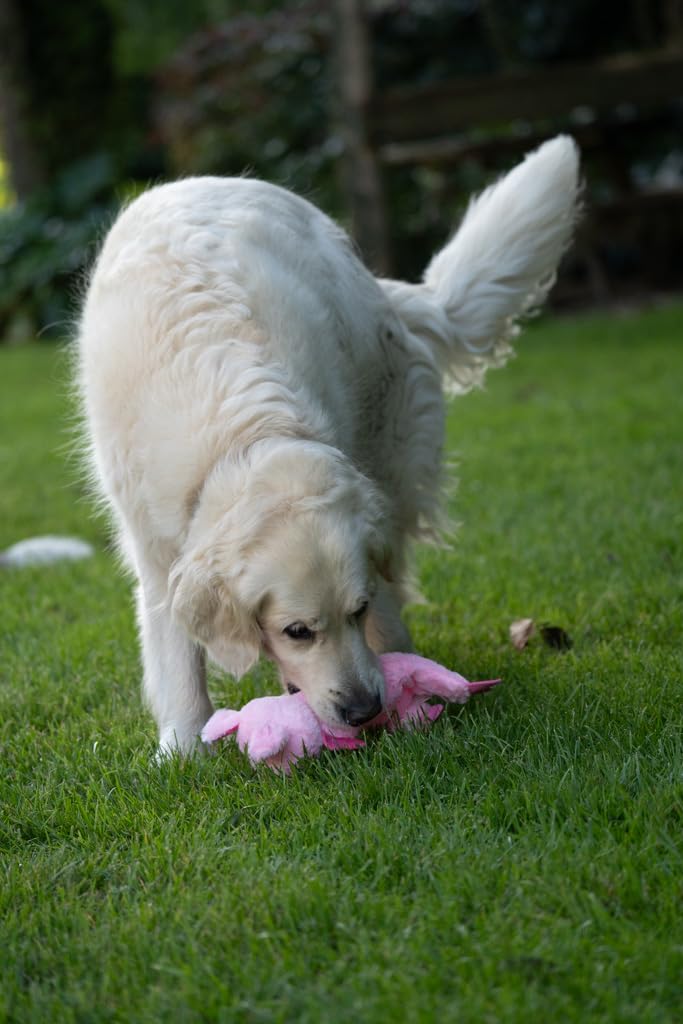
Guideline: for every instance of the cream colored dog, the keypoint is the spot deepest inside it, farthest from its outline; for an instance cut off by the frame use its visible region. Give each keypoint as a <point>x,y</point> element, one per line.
<point>265,420</point>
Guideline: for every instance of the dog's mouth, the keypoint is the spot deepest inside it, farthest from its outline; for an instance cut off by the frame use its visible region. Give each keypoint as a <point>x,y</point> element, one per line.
<point>291,688</point>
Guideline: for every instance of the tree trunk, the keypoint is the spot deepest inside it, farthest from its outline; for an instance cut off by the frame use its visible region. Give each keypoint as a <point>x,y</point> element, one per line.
<point>57,87</point>
<point>361,173</point>
<point>26,168</point>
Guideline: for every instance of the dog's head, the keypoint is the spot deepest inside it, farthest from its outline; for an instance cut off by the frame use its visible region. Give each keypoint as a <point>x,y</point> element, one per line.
<point>282,557</point>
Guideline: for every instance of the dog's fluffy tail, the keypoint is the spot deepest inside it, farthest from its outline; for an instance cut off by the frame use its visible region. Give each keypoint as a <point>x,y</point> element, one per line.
<point>498,267</point>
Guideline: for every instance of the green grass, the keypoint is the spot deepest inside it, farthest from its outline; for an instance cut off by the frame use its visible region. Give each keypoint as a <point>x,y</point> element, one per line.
<point>519,862</point>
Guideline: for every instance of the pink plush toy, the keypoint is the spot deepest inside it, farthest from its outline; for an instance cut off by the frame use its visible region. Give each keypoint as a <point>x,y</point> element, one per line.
<point>280,730</point>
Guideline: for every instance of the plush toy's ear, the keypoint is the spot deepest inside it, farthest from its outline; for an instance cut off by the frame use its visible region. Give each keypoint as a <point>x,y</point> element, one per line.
<point>211,611</point>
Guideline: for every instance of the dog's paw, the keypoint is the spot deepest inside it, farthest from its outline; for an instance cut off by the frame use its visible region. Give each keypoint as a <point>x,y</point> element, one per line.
<point>182,745</point>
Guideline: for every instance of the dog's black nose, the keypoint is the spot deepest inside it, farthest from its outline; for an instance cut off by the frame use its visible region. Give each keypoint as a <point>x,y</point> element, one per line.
<point>359,714</point>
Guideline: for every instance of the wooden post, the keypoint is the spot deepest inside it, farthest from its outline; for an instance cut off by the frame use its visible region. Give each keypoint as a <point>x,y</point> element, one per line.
<point>361,178</point>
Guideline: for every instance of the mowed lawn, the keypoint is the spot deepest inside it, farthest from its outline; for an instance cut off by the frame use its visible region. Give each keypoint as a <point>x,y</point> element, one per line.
<point>521,861</point>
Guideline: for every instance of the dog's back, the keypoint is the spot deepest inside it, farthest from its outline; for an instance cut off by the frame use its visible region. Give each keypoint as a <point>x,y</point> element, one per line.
<point>221,311</point>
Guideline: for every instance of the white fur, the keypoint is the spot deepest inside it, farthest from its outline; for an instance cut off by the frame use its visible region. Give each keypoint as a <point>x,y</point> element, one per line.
<point>498,267</point>
<point>266,419</point>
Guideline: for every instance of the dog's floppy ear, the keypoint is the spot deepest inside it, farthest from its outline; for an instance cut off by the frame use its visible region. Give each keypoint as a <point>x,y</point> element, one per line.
<point>212,612</point>
<point>383,561</point>
<point>374,520</point>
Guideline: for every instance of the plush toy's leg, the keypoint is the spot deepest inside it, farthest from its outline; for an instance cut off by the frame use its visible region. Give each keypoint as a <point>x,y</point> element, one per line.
<point>269,743</point>
<point>483,686</point>
<point>430,678</point>
<point>282,762</point>
<point>415,715</point>
<point>222,723</point>
<point>341,742</point>
<point>433,711</point>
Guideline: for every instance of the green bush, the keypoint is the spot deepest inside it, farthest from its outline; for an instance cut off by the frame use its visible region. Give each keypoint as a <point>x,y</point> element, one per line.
<point>47,242</point>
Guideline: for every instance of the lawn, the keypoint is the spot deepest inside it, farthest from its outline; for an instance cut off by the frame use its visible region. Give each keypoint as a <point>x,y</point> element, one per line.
<point>520,862</point>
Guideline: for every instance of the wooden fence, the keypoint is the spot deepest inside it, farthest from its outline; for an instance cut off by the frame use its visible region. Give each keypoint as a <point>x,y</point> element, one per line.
<point>609,107</point>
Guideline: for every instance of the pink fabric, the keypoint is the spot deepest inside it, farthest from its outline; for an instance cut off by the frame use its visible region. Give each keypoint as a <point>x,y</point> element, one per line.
<point>280,730</point>
<point>410,681</point>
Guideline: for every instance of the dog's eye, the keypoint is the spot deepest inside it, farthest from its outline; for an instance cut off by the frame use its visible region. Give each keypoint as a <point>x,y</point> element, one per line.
<point>298,631</point>
<point>360,611</point>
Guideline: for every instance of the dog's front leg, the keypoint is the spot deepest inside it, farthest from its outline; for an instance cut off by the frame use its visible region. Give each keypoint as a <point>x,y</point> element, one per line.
<point>174,677</point>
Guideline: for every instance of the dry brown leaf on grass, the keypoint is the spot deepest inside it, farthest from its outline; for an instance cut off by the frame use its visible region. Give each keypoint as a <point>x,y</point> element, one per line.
<point>521,632</point>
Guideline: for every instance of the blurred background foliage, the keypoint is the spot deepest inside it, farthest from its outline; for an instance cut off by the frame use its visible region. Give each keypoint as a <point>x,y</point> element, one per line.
<point>100,98</point>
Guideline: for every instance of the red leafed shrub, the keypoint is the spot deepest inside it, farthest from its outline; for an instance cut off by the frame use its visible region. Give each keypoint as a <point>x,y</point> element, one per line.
<point>253,94</point>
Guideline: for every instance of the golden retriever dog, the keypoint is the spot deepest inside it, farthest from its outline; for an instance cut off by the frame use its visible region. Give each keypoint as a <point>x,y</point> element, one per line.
<point>265,420</point>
